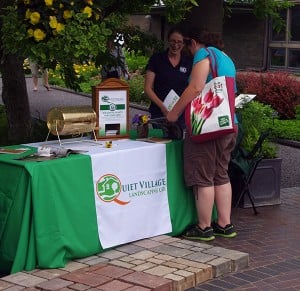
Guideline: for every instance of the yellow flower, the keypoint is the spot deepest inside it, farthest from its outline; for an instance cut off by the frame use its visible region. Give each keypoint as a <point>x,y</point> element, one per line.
<point>49,2</point>
<point>60,27</point>
<point>30,32</point>
<point>26,2</point>
<point>35,17</point>
<point>61,6</point>
<point>87,10</point>
<point>27,14</point>
<point>67,14</point>
<point>145,119</point>
<point>90,2</point>
<point>53,21</point>
<point>38,34</point>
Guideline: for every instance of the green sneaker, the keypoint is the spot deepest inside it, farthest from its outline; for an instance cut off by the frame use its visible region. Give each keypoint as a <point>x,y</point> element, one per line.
<point>228,231</point>
<point>194,232</point>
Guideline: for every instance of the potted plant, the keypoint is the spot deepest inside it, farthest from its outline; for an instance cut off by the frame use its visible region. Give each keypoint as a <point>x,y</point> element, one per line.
<point>256,118</point>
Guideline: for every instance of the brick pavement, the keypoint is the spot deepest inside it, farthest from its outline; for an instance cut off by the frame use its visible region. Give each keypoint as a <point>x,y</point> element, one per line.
<point>272,240</point>
<point>264,256</point>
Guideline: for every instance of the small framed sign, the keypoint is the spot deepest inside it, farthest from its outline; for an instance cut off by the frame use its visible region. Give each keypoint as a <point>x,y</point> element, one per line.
<point>111,103</point>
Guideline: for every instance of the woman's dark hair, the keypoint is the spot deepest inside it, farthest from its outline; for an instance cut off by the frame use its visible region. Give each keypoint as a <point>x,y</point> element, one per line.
<point>174,30</point>
<point>205,37</point>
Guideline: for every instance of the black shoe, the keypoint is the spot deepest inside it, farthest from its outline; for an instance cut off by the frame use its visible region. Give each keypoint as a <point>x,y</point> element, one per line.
<point>194,232</point>
<point>228,231</point>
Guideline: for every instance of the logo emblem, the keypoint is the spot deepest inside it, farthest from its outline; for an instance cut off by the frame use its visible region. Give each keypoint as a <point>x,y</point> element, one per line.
<point>105,98</point>
<point>108,189</point>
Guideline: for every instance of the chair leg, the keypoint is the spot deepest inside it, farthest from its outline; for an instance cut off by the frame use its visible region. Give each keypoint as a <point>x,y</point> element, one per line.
<point>246,190</point>
<point>252,202</point>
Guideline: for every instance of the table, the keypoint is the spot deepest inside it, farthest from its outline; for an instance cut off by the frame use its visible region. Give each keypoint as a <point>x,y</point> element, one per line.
<point>48,217</point>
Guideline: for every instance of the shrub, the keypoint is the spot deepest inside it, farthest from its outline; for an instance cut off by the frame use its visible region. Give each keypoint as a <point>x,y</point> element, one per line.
<point>136,90</point>
<point>136,62</point>
<point>280,90</point>
<point>256,118</point>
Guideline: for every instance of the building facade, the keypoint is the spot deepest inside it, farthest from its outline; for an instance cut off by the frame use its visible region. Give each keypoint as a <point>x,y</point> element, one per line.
<point>252,43</point>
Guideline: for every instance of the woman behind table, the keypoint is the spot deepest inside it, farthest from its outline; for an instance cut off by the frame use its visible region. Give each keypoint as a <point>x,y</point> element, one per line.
<point>165,71</point>
<point>206,164</point>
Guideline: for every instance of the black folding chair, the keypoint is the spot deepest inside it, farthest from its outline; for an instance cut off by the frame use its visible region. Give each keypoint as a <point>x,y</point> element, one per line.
<point>242,167</point>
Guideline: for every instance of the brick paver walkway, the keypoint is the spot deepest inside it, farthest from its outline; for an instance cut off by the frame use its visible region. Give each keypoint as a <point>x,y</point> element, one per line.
<point>270,240</point>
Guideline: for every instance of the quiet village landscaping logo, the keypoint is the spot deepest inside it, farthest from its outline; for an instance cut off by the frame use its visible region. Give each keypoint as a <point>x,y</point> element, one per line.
<point>109,188</point>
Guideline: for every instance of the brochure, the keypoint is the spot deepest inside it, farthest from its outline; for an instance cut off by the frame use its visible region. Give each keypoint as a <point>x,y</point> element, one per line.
<point>155,139</point>
<point>46,153</point>
<point>171,99</point>
<point>57,151</point>
<point>243,99</point>
<point>13,151</point>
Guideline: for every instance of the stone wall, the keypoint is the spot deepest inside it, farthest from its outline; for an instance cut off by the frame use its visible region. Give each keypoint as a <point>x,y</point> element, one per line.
<point>244,37</point>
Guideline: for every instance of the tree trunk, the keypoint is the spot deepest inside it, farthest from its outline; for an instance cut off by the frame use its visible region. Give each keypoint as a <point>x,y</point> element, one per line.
<point>15,99</point>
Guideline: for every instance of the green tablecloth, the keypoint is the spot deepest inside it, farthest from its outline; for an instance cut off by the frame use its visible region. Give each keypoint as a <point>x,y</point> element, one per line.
<point>47,213</point>
<point>47,209</point>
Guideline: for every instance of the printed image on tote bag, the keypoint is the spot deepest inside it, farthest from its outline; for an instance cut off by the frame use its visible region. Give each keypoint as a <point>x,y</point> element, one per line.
<point>210,115</point>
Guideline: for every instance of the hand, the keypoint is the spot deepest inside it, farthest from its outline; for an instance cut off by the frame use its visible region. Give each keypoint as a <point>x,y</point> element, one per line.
<point>164,111</point>
<point>172,117</point>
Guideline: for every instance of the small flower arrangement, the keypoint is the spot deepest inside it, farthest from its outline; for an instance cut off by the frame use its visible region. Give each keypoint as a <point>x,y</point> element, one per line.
<point>140,119</point>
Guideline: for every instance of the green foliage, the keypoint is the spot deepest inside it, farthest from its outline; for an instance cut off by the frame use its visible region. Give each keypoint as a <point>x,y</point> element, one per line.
<point>67,32</point>
<point>137,95</point>
<point>288,129</point>
<point>136,62</point>
<point>139,42</point>
<point>257,118</point>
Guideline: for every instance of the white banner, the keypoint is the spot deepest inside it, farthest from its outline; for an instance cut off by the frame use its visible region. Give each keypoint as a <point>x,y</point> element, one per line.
<point>131,192</point>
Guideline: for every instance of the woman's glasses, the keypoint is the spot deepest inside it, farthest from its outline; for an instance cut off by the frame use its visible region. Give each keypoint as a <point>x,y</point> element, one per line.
<point>175,42</point>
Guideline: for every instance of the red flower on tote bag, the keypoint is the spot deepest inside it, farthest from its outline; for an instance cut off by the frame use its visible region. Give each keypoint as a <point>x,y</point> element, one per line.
<point>202,108</point>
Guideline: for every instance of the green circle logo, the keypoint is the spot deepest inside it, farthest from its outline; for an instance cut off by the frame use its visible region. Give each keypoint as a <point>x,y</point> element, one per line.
<point>108,187</point>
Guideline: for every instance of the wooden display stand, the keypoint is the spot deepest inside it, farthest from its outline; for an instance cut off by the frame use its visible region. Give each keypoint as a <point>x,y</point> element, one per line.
<point>111,104</point>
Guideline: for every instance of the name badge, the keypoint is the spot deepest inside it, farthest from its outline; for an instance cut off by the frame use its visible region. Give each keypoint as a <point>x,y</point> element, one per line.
<point>183,69</point>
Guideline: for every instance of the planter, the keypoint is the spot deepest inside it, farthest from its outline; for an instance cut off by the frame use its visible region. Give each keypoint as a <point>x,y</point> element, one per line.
<point>265,184</point>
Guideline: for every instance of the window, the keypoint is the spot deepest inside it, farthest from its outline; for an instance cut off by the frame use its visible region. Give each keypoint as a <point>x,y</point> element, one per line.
<point>277,57</point>
<point>295,24</point>
<point>284,46</point>
<point>294,58</point>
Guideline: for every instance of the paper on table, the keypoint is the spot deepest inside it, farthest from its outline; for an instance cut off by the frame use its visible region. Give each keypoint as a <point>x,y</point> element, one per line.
<point>47,151</point>
<point>13,151</point>
<point>171,99</point>
<point>155,139</point>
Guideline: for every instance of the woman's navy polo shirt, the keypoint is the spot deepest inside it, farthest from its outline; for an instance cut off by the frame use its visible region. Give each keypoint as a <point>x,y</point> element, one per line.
<point>168,77</point>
